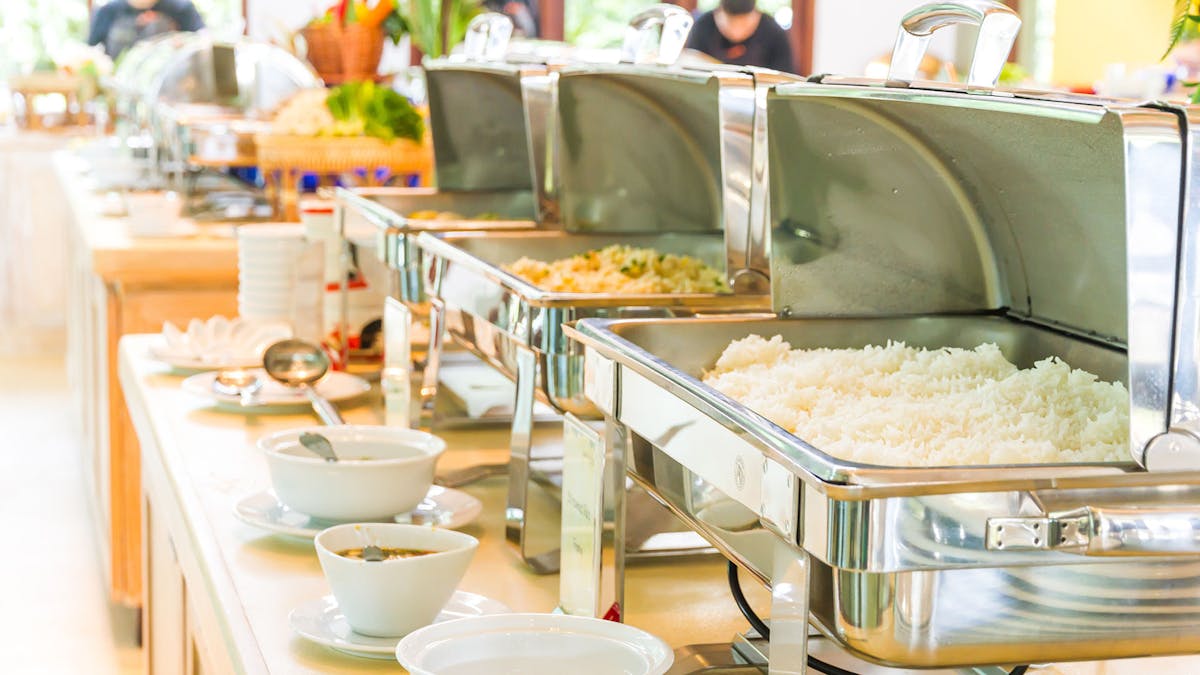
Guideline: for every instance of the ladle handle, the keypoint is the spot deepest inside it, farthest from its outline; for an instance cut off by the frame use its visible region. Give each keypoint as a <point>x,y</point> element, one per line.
<point>325,410</point>
<point>487,37</point>
<point>998,28</point>
<point>657,35</point>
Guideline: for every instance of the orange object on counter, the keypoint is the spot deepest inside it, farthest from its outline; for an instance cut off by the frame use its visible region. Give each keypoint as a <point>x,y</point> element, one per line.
<point>376,15</point>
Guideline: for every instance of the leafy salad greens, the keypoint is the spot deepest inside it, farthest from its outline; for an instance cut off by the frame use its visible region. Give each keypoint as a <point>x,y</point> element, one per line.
<point>366,109</point>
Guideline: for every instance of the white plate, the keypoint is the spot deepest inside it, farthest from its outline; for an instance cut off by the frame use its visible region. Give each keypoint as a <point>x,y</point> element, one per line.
<point>336,386</point>
<point>217,342</point>
<point>189,363</point>
<point>322,622</point>
<point>533,644</point>
<point>443,507</point>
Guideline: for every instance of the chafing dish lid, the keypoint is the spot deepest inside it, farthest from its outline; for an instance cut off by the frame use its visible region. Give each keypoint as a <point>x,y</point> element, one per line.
<point>477,118</point>
<point>895,197</point>
<point>245,75</point>
<point>477,112</point>
<point>640,149</point>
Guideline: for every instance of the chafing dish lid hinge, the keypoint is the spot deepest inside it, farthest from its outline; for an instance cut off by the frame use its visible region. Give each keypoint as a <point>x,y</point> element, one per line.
<point>1038,533</point>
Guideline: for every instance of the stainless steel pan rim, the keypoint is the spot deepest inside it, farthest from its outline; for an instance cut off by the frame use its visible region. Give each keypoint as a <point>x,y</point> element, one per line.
<point>840,478</point>
<point>537,297</point>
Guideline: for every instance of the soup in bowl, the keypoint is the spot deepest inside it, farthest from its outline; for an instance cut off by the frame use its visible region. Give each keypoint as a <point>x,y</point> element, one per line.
<point>380,472</point>
<point>406,590</point>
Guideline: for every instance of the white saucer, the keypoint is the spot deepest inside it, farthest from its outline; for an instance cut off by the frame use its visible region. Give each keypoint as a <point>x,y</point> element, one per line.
<point>443,507</point>
<point>322,622</point>
<point>335,386</point>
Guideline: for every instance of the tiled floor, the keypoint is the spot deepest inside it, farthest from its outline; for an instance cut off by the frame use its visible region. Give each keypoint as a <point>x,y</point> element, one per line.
<point>54,613</point>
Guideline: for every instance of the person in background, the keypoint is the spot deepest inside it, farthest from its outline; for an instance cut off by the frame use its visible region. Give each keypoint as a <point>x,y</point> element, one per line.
<point>120,23</point>
<point>522,12</point>
<point>736,32</point>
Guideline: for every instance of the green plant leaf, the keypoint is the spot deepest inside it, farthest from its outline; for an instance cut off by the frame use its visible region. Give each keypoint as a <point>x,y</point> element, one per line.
<point>396,26</point>
<point>1179,24</point>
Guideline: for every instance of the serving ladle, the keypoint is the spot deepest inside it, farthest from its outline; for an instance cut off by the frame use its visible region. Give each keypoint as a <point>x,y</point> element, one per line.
<point>299,364</point>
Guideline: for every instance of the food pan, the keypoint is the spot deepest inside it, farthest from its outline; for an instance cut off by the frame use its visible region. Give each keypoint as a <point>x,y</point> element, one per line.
<point>917,567</point>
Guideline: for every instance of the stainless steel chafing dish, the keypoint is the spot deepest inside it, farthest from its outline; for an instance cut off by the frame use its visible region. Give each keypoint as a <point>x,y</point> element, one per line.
<point>483,159</point>
<point>488,117</point>
<point>649,154</point>
<point>213,97</point>
<point>948,215</point>
<point>136,70</point>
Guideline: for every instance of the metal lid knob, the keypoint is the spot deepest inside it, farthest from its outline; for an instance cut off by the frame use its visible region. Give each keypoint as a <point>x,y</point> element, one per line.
<point>998,28</point>
<point>657,35</point>
<point>487,37</point>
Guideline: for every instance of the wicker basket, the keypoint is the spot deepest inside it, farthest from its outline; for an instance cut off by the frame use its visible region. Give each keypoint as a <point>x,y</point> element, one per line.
<point>344,53</point>
<point>284,159</point>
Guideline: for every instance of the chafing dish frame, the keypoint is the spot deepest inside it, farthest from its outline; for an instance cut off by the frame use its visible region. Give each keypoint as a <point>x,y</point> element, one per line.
<point>521,207</point>
<point>1056,562</point>
<point>882,550</point>
<point>520,331</point>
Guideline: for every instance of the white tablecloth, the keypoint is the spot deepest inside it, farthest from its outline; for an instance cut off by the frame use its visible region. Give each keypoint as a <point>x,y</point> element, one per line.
<point>34,217</point>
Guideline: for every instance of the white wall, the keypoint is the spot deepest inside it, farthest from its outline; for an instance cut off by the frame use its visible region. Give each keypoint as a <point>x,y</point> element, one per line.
<point>851,33</point>
<point>270,19</point>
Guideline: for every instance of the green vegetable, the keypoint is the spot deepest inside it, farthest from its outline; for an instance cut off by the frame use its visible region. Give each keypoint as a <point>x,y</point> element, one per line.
<point>437,25</point>
<point>395,26</point>
<point>365,109</point>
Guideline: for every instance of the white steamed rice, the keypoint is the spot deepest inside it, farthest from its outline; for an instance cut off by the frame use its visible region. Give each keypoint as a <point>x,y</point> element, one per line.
<point>901,406</point>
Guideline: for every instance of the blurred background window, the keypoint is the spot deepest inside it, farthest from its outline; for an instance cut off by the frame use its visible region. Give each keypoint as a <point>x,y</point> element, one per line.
<point>34,32</point>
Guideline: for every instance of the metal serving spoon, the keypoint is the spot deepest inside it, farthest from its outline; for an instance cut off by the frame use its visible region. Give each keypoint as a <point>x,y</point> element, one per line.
<point>372,553</point>
<point>318,445</point>
<point>245,384</point>
<point>299,364</point>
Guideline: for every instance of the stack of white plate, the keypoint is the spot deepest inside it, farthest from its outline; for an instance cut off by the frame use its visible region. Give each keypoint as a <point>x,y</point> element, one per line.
<point>281,277</point>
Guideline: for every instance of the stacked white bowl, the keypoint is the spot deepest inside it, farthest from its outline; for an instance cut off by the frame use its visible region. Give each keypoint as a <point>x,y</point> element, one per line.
<point>281,277</point>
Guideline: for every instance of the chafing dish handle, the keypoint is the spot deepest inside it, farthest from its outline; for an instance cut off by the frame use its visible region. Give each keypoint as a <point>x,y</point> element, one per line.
<point>675,22</point>
<point>1102,531</point>
<point>998,27</point>
<point>487,37</point>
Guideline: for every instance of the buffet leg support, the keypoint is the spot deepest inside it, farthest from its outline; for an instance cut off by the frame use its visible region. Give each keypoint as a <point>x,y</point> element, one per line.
<point>517,514</point>
<point>789,613</point>
<point>612,538</point>
<point>426,413</point>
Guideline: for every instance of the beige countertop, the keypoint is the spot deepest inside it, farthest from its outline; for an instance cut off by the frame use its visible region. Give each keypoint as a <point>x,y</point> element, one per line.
<point>256,578</point>
<point>208,256</point>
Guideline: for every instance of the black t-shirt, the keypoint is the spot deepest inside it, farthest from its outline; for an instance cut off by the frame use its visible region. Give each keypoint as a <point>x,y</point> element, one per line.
<point>117,25</point>
<point>767,46</point>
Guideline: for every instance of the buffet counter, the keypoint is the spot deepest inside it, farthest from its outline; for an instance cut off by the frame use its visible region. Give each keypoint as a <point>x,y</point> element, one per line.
<point>219,591</point>
<point>121,284</point>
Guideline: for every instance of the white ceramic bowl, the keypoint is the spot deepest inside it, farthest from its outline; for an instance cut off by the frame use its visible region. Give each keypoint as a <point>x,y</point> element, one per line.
<point>533,644</point>
<point>393,597</point>
<point>384,471</point>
